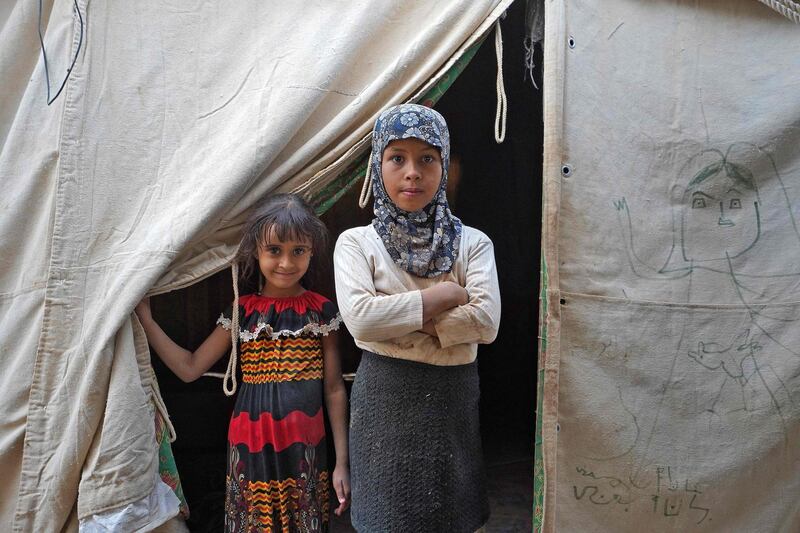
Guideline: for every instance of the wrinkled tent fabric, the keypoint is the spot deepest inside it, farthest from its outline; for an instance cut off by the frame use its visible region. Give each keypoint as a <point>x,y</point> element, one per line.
<point>671,367</point>
<point>177,118</point>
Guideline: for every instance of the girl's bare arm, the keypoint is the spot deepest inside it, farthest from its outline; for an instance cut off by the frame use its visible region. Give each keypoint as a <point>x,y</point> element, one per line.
<point>438,299</point>
<point>441,297</point>
<point>336,403</point>
<point>185,364</point>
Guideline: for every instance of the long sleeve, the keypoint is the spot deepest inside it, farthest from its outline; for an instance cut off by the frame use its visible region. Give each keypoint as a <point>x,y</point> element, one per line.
<point>478,320</point>
<point>370,316</point>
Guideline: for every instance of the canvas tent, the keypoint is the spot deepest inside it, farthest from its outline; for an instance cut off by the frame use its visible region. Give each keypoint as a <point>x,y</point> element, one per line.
<point>670,362</point>
<point>174,120</point>
<point>177,116</point>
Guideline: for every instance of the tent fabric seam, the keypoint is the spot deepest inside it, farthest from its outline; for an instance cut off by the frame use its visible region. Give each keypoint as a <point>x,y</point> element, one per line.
<point>685,305</point>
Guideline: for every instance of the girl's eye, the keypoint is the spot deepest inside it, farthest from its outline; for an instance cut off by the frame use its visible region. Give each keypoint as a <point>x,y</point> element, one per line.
<point>274,250</point>
<point>299,251</point>
<point>698,203</point>
<point>428,159</point>
<point>397,159</point>
<point>736,203</point>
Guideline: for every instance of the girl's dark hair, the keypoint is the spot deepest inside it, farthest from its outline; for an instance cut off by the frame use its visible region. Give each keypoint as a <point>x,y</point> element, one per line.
<point>291,218</point>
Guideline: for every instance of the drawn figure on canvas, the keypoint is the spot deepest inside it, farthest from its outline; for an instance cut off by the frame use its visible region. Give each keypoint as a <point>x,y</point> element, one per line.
<point>735,246</point>
<point>744,384</point>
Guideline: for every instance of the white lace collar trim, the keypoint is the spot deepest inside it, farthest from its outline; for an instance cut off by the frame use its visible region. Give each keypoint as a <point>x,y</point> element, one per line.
<point>311,328</point>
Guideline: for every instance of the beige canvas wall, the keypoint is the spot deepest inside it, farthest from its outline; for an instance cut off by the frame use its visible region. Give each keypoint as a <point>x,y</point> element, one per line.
<point>672,376</point>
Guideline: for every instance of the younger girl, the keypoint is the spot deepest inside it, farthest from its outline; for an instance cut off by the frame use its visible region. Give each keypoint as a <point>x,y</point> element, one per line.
<point>418,291</point>
<point>277,478</point>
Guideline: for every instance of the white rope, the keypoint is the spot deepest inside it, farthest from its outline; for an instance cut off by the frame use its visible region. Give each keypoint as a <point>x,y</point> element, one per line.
<point>787,8</point>
<point>230,372</point>
<point>502,100</point>
<point>366,188</point>
<point>161,408</point>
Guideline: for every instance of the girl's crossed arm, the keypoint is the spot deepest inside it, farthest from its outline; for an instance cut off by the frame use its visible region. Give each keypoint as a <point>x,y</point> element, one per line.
<point>476,320</point>
<point>372,317</point>
<point>185,364</point>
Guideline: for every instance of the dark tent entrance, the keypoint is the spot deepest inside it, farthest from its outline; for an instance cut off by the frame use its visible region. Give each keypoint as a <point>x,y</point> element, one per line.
<point>495,188</point>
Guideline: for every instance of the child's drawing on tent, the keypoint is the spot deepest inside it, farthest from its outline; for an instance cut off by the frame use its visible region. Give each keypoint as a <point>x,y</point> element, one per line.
<point>734,263</point>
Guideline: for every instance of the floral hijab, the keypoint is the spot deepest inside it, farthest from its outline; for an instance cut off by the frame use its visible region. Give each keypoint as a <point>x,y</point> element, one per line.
<point>425,242</point>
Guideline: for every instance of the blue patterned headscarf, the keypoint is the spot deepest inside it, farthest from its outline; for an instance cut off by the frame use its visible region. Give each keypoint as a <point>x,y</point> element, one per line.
<point>425,242</point>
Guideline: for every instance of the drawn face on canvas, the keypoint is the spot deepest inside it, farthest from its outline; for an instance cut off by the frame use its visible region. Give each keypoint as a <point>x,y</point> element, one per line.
<point>720,214</point>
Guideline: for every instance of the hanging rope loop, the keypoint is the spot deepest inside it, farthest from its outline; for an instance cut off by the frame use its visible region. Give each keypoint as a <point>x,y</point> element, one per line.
<point>502,100</point>
<point>366,188</point>
<point>788,8</point>
<point>230,372</point>
<point>162,409</point>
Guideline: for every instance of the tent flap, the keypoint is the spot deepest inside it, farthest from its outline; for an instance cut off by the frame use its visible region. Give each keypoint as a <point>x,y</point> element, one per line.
<point>176,119</point>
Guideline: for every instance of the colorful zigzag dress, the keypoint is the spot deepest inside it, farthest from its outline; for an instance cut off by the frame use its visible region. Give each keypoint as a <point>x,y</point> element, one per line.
<point>277,476</point>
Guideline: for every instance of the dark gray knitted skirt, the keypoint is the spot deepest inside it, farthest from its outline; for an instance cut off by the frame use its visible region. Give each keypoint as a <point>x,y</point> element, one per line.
<point>415,448</point>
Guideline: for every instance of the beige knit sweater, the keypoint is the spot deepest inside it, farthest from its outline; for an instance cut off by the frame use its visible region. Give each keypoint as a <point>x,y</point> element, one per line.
<point>382,305</point>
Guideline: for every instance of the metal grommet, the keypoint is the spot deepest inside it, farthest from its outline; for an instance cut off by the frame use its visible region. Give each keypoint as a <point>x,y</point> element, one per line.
<point>571,41</point>
<point>566,171</point>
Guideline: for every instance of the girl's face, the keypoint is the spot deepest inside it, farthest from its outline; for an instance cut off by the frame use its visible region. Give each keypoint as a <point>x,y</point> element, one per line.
<point>412,172</point>
<point>283,264</point>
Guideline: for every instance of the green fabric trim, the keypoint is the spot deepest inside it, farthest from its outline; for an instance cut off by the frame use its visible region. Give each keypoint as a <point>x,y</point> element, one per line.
<point>538,463</point>
<point>167,468</point>
<point>356,170</point>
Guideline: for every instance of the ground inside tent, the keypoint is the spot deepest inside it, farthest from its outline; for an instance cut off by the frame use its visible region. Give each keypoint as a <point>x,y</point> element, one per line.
<point>496,188</point>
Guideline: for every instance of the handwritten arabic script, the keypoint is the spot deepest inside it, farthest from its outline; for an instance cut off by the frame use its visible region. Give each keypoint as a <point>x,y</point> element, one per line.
<point>667,494</point>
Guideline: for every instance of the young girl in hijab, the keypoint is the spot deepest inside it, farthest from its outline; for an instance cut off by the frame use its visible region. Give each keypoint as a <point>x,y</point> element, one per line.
<point>418,291</point>
<point>277,474</point>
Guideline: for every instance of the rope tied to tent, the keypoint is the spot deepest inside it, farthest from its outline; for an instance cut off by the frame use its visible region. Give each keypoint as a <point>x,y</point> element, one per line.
<point>230,372</point>
<point>502,99</point>
<point>366,190</point>
<point>162,409</point>
<point>534,33</point>
<point>787,8</point>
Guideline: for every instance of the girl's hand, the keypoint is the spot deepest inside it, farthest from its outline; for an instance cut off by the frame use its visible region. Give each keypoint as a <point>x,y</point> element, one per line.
<point>442,297</point>
<point>185,364</point>
<point>429,328</point>
<point>457,294</point>
<point>143,310</point>
<point>341,484</point>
